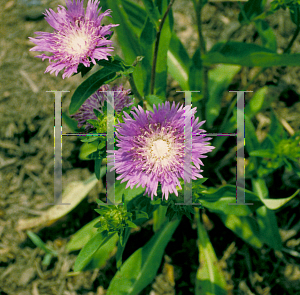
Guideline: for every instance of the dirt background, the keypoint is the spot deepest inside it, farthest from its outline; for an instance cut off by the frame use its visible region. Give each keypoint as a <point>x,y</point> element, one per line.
<point>26,168</point>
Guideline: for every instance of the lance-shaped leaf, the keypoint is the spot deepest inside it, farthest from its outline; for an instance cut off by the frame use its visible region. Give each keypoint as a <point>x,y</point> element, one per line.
<point>209,279</point>
<point>266,34</point>
<point>217,200</point>
<point>147,40</point>
<point>90,249</point>
<point>162,65</point>
<point>128,39</point>
<point>177,57</point>
<point>244,227</point>
<point>251,9</point>
<point>81,237</point>
<point>103,254</point>
<point>219,80</point>
<point>105,75</point>
<point>141,267</point>
<point>268,228</point>
<point>90,86</point>
<point>249,55</point>
<point>74,193</point>
<point>178,62</point>
<point>152,12</point>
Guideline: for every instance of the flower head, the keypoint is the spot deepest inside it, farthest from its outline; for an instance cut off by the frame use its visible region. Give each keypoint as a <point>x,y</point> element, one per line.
<point>78,37</point>
<point>96,101</point>
<point>152,148</point>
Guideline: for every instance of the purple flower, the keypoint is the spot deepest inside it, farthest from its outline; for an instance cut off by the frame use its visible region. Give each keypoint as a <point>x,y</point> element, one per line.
<point>78,37</point>
<point>151,148</point>
<point>96,101</point>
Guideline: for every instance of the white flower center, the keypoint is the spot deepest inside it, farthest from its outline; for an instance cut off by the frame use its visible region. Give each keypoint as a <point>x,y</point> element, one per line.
<point>78,43</point>
<point>160,148</point>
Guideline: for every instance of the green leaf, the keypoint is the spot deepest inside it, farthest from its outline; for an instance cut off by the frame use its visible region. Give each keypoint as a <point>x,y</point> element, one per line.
<point>131,224</point>
<point>218,200</point>
<point>177,58</point>
<point>129,194</point>
<point>116,63</point>
<point>91,138</point>
<point>251,141</point>
<point>244,227</point>
<point>274,204</point>
<point>229,127</point>
<point>98,154</point>
<point>195,3</point>
<point>105,75</point>
<point>209,278</point>
<point>89,250</point>
<point>147,40</point>
<point>161,64</point>
<point>136,15</point>
<point>83,69</point>
<point>128,39</point>
<point>266,34</point>
<point>277,131</point>
<point>195,72</point>
<point>249,55</point>
<point>141,267</point>
<point>81,237</point>
<point>72,124</point>
<point>97,167</point>
<point>90,86</point>
<point>154,100</point>
<point>139,214</point>
<point>251,9</point>
<point>124,236</point>
<point>159,217</point>
<point>86,149</point>
<point>219,80</point>
<point>47,259</point>
<point>260,187</point>
<point>39,243</point>
<point>103,254</point>
<point>268,228</point>
<point>178,62</point>
<point>268,153</point>
<point>257,102</point>
<point>295,13</point>
<point>152,12</point>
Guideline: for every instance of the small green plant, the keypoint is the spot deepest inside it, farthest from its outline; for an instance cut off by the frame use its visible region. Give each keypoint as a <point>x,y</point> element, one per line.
<point>48,250</point>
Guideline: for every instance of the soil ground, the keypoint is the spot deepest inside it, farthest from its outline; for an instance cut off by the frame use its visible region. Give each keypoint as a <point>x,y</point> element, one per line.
<point>26,168</point>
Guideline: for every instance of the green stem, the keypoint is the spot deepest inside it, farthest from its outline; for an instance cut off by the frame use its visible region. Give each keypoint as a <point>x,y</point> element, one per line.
<point>152,83</point>
<point>202,52</point>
